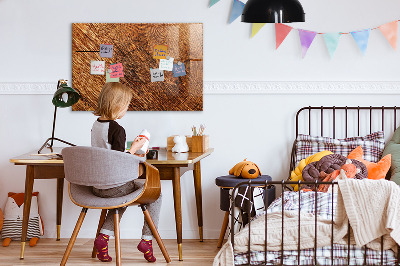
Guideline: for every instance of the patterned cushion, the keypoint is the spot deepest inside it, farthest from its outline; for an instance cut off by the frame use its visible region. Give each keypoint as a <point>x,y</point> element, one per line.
<point>372,144</point>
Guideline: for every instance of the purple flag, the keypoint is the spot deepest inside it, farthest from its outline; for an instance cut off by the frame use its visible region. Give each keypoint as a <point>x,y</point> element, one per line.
<point>306,39</point>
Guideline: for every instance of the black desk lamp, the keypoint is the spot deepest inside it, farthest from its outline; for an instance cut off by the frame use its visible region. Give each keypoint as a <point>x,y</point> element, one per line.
<point>64,97</point>
<point>272,11</point>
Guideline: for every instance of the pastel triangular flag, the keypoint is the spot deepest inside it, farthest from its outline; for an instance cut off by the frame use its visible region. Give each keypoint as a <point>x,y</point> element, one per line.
<point>332,41</point>
<point>237,9</point>
<point>281,31</point>
<point>389,30</point>
<point>361,37</point>
<point>213,2</point>
<point>306,39</point>
<point>256,27</point>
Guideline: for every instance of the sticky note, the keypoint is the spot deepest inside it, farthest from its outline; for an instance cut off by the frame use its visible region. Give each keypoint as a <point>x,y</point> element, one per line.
<point>160,51</point>
<point>106,50</point>
<point>110,79</point>
<point>166,64</point>
<point>156,75</point>
<point>117,70</point>
<point>179,70</point>
<point>97,67</point>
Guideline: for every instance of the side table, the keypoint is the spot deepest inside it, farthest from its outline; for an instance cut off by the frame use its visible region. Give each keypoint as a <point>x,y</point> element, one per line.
<point>226,183</point>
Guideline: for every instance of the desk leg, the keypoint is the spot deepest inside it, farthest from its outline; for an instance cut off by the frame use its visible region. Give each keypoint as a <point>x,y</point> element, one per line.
<point>176,182</point>
<point>27,206</point>
<point>60,190</point>
<point>199,204</point>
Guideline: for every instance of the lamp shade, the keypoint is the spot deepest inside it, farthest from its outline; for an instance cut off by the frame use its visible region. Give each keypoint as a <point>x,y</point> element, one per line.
<point>65,96</point>
<point>273,11</point>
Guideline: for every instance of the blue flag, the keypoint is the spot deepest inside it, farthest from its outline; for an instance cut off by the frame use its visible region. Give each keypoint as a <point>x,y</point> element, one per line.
<point>237,9</point>
<point>361,38</point>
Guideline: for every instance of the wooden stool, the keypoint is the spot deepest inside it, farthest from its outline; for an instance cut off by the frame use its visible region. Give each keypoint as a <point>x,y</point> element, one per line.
<point>226,183</point>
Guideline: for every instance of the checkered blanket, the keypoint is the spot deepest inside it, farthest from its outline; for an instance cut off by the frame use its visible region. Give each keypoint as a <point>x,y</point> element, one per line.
<point>323,205</point>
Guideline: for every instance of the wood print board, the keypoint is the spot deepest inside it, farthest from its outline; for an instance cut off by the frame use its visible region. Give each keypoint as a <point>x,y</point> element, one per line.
<point>133,45</point>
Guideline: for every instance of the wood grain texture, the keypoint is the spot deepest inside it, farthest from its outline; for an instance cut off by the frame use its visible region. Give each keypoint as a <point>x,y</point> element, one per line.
<point>133,47</point>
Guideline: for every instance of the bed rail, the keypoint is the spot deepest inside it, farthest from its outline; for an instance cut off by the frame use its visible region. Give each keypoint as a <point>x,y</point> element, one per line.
<point>265,185</point>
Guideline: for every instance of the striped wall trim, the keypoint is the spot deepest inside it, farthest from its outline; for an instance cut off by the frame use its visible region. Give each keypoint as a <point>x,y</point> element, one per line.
<point>246,87</point>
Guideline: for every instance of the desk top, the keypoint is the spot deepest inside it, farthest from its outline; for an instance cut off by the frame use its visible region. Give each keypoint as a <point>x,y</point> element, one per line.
<point>164,157</point>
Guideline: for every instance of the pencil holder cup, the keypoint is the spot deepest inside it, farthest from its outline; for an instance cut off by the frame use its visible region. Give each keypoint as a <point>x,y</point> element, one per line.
<point>200,143</point>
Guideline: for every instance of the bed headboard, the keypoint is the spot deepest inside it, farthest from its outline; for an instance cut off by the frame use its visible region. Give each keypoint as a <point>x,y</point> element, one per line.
<point>344,121</point>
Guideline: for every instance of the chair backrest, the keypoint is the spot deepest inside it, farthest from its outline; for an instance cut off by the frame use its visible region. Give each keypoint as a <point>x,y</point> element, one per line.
<point>92,166</point>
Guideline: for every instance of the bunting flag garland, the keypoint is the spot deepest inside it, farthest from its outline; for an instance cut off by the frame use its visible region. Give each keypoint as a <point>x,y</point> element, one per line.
<point>213,2</point>
<point>361,37</point>
<point>306,39</point>
<point>281,31</point>
<point>389,30</point>
<point>237,9</point>
<point>256,27</point>
<point>332,41</point>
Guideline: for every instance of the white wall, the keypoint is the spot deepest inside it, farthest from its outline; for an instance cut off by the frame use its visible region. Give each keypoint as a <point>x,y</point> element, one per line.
<point>35,40</point>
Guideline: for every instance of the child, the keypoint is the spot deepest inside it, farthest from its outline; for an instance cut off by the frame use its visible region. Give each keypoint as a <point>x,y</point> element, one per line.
<point>106,133</point>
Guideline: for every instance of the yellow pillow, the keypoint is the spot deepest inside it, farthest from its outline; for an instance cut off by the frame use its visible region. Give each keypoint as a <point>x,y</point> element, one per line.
<point>296,174</point>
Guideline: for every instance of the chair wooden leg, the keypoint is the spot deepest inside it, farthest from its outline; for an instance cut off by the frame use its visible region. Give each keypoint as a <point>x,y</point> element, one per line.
<point>117,238</point>
<point>223,229</point>
<point>101,222</point>
<point>73,237</point>
<point>154,230</point>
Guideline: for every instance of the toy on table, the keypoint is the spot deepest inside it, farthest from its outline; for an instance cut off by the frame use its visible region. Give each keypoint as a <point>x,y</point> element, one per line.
<point>13,215</point>
<point>180,144</point>
<point>245,169</point>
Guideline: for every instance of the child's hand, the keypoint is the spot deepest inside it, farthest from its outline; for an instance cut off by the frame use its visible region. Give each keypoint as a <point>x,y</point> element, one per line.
<point>142,155</point>
<point>137,144</point>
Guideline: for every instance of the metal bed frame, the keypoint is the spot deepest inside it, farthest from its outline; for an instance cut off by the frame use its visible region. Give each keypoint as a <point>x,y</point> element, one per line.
<point>283,184</point>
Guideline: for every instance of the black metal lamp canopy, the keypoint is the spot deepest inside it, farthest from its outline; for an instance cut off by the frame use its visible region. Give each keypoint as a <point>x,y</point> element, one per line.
<point>63,97</point>
<point>273,11</point>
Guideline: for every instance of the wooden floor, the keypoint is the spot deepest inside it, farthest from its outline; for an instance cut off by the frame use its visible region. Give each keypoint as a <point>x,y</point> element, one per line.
<point>50,252</point>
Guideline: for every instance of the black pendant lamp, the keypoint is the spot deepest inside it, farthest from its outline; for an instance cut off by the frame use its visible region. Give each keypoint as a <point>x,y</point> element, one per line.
<point>273,11</point>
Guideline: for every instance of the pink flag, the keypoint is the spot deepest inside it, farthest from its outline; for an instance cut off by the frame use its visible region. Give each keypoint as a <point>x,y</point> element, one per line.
<point>389,30</point>
<point>281,31</point>
<point>306,39</point>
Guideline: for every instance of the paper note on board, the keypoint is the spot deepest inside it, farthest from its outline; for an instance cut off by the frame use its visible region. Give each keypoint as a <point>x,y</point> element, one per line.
<point>166,64</point>
<point>156,75</point>
<point>179,70</point>
<point>106,50</point>
<point>160,51</point>
<point>117,70</point>
<point>110,79</point>
<point>97,67</point>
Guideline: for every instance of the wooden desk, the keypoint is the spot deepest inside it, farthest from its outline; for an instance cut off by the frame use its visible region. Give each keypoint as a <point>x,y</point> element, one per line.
<point>171,167</point>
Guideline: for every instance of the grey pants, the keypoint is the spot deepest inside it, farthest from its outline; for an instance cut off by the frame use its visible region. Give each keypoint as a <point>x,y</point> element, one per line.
<point>153,208</point>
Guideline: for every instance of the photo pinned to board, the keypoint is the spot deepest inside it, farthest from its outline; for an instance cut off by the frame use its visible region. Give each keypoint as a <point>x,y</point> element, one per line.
<point>156,75</point>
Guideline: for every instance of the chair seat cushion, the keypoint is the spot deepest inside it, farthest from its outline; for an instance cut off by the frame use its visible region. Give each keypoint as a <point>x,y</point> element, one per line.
<point>83,195</point>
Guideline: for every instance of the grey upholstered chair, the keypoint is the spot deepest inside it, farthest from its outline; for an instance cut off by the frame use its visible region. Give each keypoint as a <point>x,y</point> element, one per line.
<point>85,167</point>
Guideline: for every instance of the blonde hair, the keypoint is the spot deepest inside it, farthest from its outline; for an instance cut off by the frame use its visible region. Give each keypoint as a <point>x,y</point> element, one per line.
<point>113,97</point>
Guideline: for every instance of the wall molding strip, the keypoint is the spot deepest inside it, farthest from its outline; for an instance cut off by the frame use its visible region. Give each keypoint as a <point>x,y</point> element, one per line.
<point>246,87</point>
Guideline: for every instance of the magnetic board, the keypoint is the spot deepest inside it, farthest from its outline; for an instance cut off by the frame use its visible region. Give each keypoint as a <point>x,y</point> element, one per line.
<point>134,46</point>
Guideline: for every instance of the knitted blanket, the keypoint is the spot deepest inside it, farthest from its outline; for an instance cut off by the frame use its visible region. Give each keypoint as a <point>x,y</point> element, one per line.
<point>371,207</point>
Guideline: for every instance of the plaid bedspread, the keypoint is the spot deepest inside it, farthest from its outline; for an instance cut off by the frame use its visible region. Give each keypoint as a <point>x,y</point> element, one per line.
<point>322,205</point>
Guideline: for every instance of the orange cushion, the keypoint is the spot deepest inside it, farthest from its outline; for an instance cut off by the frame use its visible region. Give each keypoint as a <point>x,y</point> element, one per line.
<point>375,170</point>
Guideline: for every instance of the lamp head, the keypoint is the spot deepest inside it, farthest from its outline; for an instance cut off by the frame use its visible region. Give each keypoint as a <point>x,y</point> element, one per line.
<point>65,96</point>
<point>273,11</point>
